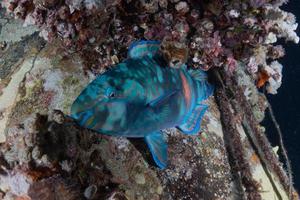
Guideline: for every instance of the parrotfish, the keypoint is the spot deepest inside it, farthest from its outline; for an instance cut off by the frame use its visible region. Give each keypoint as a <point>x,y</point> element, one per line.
<point>141,96</point>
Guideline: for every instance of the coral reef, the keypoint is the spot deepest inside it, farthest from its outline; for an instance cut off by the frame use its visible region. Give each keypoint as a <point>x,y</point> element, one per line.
<point>41,162</point>
<point>46,151</point>
<point>45,155</point>
<point>217,33</point>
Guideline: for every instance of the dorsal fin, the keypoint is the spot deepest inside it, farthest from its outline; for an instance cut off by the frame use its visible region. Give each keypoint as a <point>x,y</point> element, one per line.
<point>142,48</point>
<point>205,89</point>
<point>198,74</point>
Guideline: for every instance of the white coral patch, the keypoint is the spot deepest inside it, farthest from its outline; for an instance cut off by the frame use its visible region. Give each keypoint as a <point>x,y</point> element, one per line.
<point>285,24</point>
<point>234,13</point>
<point>16,183</point>
<point>274,70</point>
<point>252,66</point>
<point>92,4</point>
<point>271,38</point>
<point>122,143</point>
<point>52,80</point>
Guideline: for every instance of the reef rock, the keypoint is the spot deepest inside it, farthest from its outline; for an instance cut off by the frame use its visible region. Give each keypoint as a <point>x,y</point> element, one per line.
<point>45,155</point>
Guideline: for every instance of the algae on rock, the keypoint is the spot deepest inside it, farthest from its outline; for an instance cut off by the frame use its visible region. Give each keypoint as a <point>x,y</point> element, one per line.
<point>42,150</point>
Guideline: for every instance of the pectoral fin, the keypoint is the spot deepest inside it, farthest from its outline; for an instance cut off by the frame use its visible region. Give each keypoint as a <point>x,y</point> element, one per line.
<point>158,148</point>
<point>193,124</point>
<point>160,107</point>
<point>162,99</point>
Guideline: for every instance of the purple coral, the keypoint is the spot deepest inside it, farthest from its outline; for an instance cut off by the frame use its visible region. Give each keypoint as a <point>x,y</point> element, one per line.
<point>257,3</point>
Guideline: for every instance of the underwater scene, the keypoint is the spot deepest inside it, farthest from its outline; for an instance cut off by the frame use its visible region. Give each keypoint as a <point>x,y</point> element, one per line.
<point>149,100</point>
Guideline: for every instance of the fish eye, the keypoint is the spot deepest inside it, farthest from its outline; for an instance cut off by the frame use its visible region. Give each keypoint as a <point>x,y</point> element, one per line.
<point>111,95</point>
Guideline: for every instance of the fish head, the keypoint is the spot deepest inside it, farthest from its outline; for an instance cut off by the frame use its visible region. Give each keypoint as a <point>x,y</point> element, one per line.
<point>108,103</point>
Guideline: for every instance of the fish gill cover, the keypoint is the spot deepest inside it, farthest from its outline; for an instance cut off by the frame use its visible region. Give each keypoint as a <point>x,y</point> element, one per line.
<point>235,41</point>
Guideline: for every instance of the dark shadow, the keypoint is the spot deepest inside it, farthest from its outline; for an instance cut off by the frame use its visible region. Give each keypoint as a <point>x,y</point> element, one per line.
<point>141,146</point>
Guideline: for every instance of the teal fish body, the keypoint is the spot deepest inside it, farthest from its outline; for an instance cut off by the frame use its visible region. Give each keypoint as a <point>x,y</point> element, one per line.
<point>141,96</point>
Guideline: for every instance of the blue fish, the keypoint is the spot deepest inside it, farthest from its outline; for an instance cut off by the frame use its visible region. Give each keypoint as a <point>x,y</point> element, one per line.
<point>142,96</point>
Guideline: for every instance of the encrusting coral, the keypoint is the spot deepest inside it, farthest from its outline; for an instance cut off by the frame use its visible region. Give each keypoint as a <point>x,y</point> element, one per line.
<point>234,40</point>
<point>38,163</point>
<point>216,33</point>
